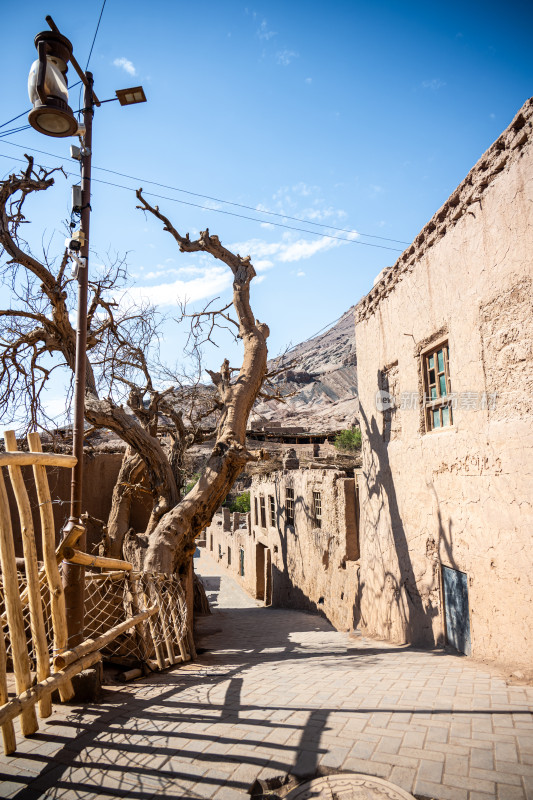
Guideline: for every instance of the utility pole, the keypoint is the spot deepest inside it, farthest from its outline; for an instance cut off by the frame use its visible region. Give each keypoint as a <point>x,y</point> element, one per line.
<point>73,574</point>
<point>52,116</point>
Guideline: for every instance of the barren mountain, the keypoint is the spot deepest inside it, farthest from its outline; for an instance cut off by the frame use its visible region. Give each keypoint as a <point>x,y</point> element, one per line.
<point>324,382</point>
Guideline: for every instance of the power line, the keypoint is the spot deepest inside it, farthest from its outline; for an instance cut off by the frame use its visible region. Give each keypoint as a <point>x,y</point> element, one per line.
<point>95,35</point>
<point>314,335</point>
<point>21,128</point>
<point>3,125</point>
<point>218,200</point>
<point>14,118</point>
<point>217,210</point>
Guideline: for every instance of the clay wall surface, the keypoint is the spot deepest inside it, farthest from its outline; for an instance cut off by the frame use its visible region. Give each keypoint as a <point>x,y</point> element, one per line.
<point>100,474</point>
<point>459,496</point>
<point>312,568</point>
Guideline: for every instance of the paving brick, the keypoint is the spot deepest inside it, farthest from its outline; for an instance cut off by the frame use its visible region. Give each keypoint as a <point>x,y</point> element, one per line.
<point>481,758</point>
<point>436,790</point>
<point>464,782</point>
<point>185,734</point>
<point>456,765</point>
<point>430,771</point>
<point>404,777</point>
<point>506,792</point>
<point>496,776</point>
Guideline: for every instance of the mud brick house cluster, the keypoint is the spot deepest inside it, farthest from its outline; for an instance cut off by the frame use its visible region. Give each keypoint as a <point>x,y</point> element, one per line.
<point>442,551</point>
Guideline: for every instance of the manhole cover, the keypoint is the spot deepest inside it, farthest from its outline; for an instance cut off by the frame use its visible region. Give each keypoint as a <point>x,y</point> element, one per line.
<point>351,786</point>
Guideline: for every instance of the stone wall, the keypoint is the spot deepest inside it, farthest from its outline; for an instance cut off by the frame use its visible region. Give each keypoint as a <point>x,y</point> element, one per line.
<point>460,496</point>
<point>312,568</point>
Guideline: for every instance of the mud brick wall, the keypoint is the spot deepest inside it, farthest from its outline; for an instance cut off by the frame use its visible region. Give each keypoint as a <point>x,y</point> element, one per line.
<point>458,497</point>
<point>309,567</point>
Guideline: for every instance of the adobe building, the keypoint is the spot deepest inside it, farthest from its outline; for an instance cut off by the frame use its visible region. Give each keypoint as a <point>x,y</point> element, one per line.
<point>445,349</point>
<point>299,547</point>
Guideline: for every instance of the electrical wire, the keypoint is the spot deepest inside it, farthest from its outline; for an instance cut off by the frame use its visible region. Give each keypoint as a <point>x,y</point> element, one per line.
<point>95,35</point>
<point>234,214</point>
<point>14,118</point>
<point>228,202</point>
<point>314,335</point>
<point>14,130</point>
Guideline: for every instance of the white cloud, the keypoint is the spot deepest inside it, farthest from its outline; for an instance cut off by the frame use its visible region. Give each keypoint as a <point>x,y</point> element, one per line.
<point>211,281</point>
<point>126,65</point>
<point>300,274</point>
<point>433,84</point>
<point>305,248</point>
<point>289,250</point>
<point>256,248</point>
<point>284,57</point>
<point>263,32</point>
<point>263,264</point>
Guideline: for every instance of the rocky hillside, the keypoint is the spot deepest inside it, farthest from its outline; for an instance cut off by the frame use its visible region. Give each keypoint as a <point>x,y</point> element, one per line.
<point>324,382</point>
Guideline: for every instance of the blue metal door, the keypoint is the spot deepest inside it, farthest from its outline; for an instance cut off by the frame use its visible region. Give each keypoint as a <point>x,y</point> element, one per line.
<point>456,609</point>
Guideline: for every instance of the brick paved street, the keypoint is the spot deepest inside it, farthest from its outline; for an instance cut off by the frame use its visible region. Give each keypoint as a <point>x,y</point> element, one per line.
<point>280,691</point>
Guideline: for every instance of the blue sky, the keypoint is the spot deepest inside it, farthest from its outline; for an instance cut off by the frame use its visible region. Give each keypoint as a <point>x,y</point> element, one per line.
<point>361,116</point>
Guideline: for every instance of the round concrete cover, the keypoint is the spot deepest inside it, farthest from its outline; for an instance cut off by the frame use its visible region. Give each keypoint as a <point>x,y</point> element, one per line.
<point>348,786</point>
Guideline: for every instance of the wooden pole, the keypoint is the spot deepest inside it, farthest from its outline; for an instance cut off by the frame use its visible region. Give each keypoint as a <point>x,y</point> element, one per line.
<point>159,654</point>
<point>184,654</point>
<point>15,619</point>
<point>86,560</point>
<point>136,607</point>
<point>8,730</point>
<point>90,645</point>
<point>26,700</point>
<point>165,627</point>
<point>32,575</point>
<point>57,597</point>
<point>74,575</point>
<point>29,459</point>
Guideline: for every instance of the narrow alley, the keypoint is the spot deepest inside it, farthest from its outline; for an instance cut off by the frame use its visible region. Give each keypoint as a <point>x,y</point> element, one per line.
<point>276,691</point>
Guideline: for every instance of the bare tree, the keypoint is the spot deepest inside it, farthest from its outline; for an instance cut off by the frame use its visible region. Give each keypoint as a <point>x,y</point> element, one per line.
<point>121,385</point>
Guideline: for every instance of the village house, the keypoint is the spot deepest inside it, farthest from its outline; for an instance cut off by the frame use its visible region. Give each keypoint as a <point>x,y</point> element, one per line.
<point>441,553</point>
<point>445,345</point>
<point>299,545</point>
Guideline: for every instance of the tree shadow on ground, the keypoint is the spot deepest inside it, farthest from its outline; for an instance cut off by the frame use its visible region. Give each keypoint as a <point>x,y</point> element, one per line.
<point>164,738</point>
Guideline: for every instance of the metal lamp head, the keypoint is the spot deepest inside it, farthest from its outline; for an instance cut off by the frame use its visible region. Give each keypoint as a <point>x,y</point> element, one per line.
<point>47,86</point>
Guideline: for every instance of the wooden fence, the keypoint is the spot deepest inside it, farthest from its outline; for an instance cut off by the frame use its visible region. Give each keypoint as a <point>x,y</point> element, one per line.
<point>131,618</point>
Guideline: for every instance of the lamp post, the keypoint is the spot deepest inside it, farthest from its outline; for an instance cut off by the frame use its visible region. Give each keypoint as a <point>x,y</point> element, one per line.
<point>51,115</point>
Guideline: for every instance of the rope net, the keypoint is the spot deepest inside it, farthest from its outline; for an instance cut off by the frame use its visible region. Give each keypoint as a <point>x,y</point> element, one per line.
<point>112,598</point>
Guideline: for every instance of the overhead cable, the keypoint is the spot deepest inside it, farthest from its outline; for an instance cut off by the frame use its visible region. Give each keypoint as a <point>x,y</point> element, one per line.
<point>220,210</point>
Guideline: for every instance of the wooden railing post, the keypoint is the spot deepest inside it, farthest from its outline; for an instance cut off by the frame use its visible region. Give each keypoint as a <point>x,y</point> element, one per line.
<point>57,598</point>
<point>15,619</point>
<point>38,631</point>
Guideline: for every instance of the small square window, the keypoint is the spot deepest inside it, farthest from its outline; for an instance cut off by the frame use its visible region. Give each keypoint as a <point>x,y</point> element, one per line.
<point>289,506</point>
<point>437,388</point>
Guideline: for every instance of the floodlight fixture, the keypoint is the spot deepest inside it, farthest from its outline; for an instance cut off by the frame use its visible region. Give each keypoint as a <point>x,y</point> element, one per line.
<point>128,97</point>
<point>47,86</point>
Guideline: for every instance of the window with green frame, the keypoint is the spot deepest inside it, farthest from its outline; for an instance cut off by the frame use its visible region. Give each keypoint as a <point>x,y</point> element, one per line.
<point>437,406</point>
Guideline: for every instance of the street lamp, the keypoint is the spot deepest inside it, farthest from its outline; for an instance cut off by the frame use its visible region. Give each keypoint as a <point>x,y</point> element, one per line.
<point>51,115</point>
<point>47,86</point>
